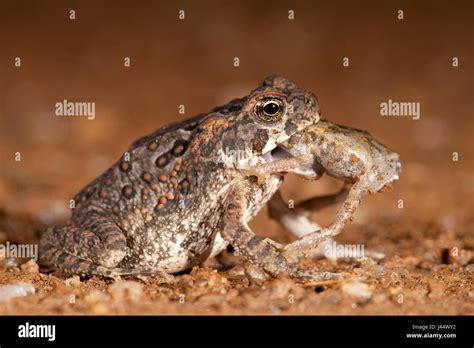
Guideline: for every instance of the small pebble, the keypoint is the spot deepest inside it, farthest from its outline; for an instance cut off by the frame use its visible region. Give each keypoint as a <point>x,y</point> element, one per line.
<point>11,263</point>
<point>380,271</point>
<point>73,281</point>
<point>237,272</point>
<point>255,274</point>
<point>358,290</point>
<point>30,267</point>
<point>10,291</point>
<point>126,290</point>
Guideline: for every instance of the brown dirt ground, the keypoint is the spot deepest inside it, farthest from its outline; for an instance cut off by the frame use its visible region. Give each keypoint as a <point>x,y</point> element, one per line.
<point>429,243</point>
<point>420,274</point>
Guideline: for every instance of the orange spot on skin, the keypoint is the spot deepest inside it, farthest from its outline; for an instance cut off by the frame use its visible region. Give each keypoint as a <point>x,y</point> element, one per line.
<point>211,128</point>
<point>178,149</point>
<point>163,200</point>
<point>162,161</point>
<point>354,159</point>
<point>162,178</point>
<point>124,166</point>
<point>170,195</point>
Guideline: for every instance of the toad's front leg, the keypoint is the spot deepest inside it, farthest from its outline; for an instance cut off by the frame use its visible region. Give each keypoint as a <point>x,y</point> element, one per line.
<point>259,251</point>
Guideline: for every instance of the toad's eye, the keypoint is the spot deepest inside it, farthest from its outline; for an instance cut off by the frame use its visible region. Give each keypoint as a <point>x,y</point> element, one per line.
<point>269,109</point>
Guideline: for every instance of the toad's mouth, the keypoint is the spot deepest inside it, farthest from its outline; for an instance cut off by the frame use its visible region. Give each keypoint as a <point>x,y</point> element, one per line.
<point>279,153</point>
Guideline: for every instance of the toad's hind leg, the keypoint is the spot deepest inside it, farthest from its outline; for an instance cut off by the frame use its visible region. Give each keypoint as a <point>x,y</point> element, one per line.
<point>96,248</point>
<point>259,251</point>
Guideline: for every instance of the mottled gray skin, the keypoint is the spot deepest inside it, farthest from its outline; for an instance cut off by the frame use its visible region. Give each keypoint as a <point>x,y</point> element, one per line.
<point>170,201</point>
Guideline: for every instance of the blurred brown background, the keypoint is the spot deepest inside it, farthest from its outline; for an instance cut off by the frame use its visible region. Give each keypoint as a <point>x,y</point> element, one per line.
<point>190,62</point>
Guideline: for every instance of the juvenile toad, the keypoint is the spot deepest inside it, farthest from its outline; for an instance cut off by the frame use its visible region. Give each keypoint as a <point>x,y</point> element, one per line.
<point>183,193</point>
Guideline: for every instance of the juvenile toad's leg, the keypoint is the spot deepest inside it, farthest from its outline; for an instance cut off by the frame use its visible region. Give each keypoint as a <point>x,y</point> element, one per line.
<point>93,249</point>
<point>298,224</point>
<point>259,251</point>
<point>294,220</point>
<point>320,202</point>
<point>343,215</point>
<point>280,166</point>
